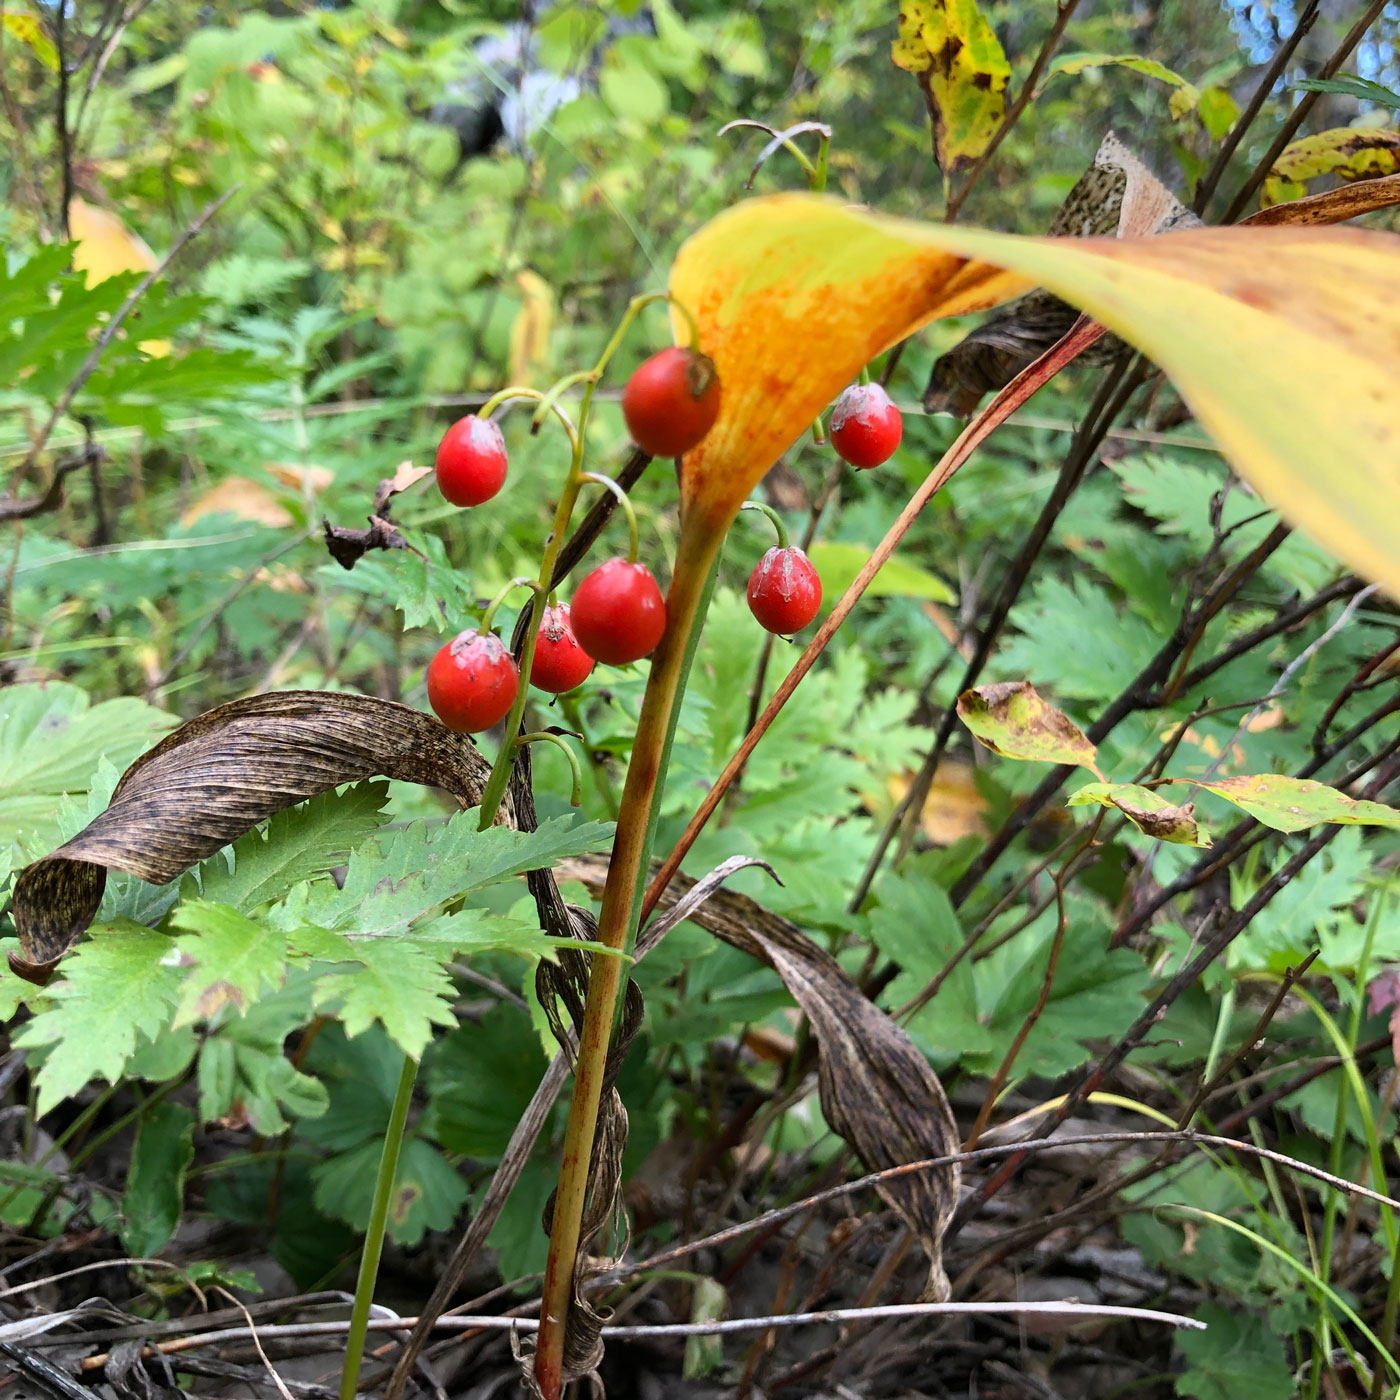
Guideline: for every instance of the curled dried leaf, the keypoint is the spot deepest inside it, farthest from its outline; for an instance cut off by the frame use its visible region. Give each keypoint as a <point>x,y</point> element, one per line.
<point>214,779</point>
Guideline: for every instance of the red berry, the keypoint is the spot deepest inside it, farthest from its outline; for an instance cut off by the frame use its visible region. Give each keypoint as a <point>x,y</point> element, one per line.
<point>471,461</point>
<point>618,612</point>
<point>784,591</point>
<point>472,682</point>
<point>560,663</point>
<point>671,402</point>
<point>865,426</point>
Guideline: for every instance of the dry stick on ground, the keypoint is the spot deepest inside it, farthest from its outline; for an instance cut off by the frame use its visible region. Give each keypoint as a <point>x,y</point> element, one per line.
<point>109,333</point>
<point>1300,113</point>
<point>1063,13</point>
<point>1017,392</point>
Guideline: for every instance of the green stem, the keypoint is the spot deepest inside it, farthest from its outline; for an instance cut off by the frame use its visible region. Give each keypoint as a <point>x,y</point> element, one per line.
<point>374,1235</point>
<point>633,543</point>
<point>773,516</point>
<point>489,615</point>
<point>691,585</point>
<point>546,402</point>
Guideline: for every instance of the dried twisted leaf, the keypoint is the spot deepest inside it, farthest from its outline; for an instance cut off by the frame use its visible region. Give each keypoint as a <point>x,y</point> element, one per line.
<point>1150,812</point>
<point>1116,197</point>
<point>214,779</point>
<point>877,1089</point>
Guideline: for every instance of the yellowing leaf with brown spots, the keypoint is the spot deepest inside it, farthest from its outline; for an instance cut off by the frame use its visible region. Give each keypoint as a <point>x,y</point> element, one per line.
<point>1011,719</point>
<point>951,49</point>
<point>1285,342</point>
<point>1149,811</point>
<point>1349,153</point>
<point>1290,804</point>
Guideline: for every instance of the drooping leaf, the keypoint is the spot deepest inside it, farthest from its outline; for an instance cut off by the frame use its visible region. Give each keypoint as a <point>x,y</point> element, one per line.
<point>1012,720</point>
<point>217,777</point>
<point>877,1088</point>
<point>1183,99</point>
<point>1149,811</point>
<point>1291,804</point>
<point>1283,341</point>
<point>1348,152</point>
<point>155,1180</point>
<point>1363,88</point>
<point>954,53</point>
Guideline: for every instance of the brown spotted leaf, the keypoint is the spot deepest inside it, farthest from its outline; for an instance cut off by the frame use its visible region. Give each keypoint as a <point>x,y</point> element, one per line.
<point>217,777</point>
<point>1150,812</point>
<point>1290,804</point>
<point>1012,720</point>
<point>1349,153</point>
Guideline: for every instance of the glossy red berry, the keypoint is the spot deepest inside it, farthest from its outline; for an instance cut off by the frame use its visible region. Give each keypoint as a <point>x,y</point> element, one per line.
<point>472,682</point>
<point>671,402</point>
<point>560,663</point>
<point>471,461</point>
<point>865,426</point>
<point>618,612</point>
<point>785,591</point>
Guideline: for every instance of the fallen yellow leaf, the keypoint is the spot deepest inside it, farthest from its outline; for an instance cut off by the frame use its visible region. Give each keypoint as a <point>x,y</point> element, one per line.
<point>241,498</point>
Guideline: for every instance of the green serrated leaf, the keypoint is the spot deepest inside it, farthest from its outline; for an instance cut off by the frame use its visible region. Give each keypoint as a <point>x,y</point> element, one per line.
<point>122,981</point>
<point>400,984</point>
<point>427,1194</point>
<point>231,959</point>
<point>1237,1357</point>
<point>297,845</point>
<point>838,564</point>
<point>155,1180</point>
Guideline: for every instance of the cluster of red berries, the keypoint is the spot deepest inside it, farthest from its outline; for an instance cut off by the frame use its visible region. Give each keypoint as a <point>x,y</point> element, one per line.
<point>618,614</point>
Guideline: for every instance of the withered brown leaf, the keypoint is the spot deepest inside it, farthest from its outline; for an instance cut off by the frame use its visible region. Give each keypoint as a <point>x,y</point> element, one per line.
<point>214,779</point>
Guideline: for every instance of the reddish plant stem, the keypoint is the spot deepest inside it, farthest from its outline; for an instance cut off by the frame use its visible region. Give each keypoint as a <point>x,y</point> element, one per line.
<point>1084,334</point>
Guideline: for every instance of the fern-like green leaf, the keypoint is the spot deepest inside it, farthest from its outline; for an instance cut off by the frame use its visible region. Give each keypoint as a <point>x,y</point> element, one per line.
<point>230,956</point>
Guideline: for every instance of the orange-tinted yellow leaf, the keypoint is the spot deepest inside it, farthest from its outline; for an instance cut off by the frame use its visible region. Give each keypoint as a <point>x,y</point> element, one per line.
<point>27,29</point>
<point>107,247</point>
<point>241,498</point>
<point>951,49</point>
<point>1349,153</point>
<point>1285,342</point>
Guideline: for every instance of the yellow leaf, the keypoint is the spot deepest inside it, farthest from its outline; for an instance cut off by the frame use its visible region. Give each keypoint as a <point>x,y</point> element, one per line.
<point>107,247</point>
<point>1285,342</point>
<point>529,332</point>
<point>1349,153</point>
<point>954,53</point>
<point>27,29</point>
<point>241,498</point>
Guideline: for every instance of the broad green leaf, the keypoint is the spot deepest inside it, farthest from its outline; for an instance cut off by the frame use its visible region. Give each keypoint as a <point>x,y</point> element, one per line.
<point>155,1180</point>
<point>1348,152</point>
<point>51,741</point>
<point>1149,811</point>
<point>1284,341</point>
<point>1290,804</point>
<point>838,564</point>
<point>954,53</point>
<point>1012,720</point>
<point>298,844</point>
<point>122,981</point>
<point>230,956</point>
<point>1363,88</point>
<point>1217,110</point>
<point>1182,100</point>
<point>1238,1354</point>
<point>427,1194</point>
